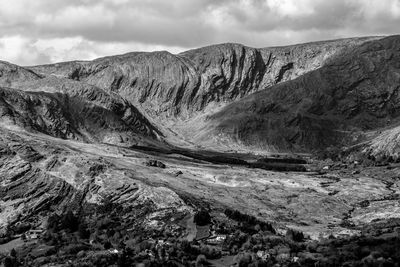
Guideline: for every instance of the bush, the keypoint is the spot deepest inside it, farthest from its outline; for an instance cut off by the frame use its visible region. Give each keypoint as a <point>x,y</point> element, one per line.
<point>83,231</point>
<point>201,261</point>
<point>107,245</point>
<point>70,222</point>
<point>202,218</point>
<point>295,235</point>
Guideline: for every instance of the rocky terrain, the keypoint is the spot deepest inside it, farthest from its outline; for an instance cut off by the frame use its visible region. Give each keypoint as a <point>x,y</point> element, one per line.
<point>226,151</point>
<point>68,109</point>
<point>175,91</point>
<point>335,105</point>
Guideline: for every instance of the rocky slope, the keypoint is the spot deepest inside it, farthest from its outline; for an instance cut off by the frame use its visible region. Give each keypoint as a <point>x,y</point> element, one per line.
<point>65,128</point>
<point>385,146</point>
<point>297,98</point>
<point>331,106</point>
<point>69,109</point>
<point>12,75</point>
<point>181,84</point>
<point>39,175</point>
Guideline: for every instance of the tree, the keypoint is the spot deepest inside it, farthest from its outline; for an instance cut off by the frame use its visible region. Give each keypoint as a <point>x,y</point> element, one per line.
<point>202,218</point>
<point>70,221</point>
<point>107,245</point>
<point>201,261</point>
<point>83,231</point>
<point>13,253</point>
<point>295,235</point>
<point>8,262</point>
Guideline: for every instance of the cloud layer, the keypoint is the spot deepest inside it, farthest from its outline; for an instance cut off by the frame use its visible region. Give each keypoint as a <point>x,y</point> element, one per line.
<point>37,32</point>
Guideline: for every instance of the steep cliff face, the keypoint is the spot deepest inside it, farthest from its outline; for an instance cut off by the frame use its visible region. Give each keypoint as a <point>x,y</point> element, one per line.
<point>179,85</point>
<point>289,62</point>
<point>225,73</point>
<point>331,106</point>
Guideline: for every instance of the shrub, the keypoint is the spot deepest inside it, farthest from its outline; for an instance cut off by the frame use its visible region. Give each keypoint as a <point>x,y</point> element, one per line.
<point>295,235</point>
<point>107,245</point>
<point>83,231</point>
<point>201,261</point>
<point>70,222</point>
<point>202,218</point>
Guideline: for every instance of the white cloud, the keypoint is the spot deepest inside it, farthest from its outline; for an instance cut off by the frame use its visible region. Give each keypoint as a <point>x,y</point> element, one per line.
<point>77,17</point>
<point>20,50</point>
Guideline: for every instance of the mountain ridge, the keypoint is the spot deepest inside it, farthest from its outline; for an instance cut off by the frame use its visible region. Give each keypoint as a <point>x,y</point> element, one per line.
<point>183,94</point>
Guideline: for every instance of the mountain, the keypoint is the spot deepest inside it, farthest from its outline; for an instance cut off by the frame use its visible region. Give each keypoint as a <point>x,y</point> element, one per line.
<point>335,105</point>
<point>128,159</point>
<point>300,98</point>
<point>175,92</point>
<point>181,85</point>
<point>67,109</point>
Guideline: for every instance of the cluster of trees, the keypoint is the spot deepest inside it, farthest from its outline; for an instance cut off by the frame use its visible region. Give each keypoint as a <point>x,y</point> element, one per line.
<point>249,223</point>
<point>253,242</point>
<point>202,218</point>
<point>11,260</point>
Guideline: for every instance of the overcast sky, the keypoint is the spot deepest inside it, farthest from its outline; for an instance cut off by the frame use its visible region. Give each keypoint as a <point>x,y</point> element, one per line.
<point>44,31</point>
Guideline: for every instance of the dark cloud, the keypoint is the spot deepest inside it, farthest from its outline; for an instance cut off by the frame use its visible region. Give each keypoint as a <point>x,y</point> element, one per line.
<point>97,27</point>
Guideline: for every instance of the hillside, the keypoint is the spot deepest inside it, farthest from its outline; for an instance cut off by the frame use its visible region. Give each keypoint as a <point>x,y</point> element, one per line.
<point>332,106</point>
<point>176,92</point>
<point>134,160</point>
<point>300,98</point>
<point>67,109</point>
<point>181,85</point>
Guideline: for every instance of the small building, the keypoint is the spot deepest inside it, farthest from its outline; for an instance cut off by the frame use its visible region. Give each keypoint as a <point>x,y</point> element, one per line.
<point>113,251</point>
<point>33,234</point>
<point>216,240</point>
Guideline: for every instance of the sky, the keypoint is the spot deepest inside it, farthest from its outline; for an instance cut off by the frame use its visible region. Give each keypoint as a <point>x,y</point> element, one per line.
<point>46,31</point>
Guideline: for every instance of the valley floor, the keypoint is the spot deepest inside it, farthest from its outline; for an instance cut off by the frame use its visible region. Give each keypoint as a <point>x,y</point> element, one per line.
<point>342,201</point>
<point>317,204</point>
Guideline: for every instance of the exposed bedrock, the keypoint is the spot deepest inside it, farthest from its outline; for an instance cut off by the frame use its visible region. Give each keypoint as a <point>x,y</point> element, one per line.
<point>164,83</point>
<point>335,105</point>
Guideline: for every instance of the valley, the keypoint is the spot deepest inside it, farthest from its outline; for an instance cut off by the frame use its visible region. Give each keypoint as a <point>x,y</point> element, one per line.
<point>226,153</point>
